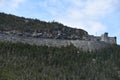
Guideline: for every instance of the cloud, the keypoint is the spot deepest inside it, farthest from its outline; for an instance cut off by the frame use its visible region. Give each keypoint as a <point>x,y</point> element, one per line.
<point>98,8</point>
<point>53,7</point>
<point>16,3</point>
<point>10,4</point>
<point>85,14</point>
<point>95,27</point>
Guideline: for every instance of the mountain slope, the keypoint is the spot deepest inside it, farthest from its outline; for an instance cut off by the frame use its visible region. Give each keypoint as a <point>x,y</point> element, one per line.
<point>20,61</point>
<point>10,22</point>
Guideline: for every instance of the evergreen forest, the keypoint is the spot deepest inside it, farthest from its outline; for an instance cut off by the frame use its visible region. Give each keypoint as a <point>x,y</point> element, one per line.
<point>20,61</point>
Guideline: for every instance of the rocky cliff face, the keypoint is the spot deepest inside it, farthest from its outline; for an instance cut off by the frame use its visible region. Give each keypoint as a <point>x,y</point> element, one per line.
<point>81,44</point>
<point>42,29</point>
<point>34,31</point>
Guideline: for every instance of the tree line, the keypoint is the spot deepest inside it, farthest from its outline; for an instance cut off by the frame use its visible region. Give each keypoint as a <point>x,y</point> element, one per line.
<point>20,61</point>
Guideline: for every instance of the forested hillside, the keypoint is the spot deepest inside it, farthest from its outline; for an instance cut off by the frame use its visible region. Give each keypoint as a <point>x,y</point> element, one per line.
<point>20,61</point>
<point>53,29</point>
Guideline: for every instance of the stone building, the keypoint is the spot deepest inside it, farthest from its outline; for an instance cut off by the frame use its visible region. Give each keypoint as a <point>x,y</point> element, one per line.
<point>104,38</point>
<point>107,39</point>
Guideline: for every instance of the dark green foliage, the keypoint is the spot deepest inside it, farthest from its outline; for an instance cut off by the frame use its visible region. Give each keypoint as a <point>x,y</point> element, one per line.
<point>20,61</point>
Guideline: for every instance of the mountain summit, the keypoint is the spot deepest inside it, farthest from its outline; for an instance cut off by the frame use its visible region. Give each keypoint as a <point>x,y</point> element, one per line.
<point>44,29</point>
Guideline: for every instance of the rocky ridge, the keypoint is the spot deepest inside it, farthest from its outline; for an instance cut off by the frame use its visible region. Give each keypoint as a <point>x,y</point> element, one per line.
<point>34,31</point>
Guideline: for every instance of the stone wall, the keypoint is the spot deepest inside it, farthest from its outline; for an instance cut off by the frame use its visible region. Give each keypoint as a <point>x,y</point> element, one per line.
<point>81,44</point>
<point>104,38</point>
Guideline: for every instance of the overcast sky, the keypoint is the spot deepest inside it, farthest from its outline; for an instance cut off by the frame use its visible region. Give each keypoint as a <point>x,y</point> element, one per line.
<point>94,16</point>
